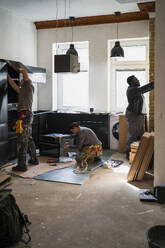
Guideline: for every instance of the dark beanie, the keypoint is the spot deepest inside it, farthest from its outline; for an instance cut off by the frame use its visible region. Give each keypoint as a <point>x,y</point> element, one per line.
<point>129,79</point>
<point>75,124</point>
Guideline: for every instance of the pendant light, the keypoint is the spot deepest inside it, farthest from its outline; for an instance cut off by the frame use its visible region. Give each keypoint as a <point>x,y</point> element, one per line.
<point>117,50</point>
<point>67,62</point>
<point>72,49</point>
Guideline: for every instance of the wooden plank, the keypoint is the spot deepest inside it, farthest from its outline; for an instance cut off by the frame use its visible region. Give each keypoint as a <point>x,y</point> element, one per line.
<point>4,185</point>
<point>3,177</point>
<point>131,157</point>
<point>138,157</point>
<point>135,145</point>
<point>123,130</point>
<point>93,20</point>
<point>147,159</point>
<point>147,7</point>
<point>4,180</point>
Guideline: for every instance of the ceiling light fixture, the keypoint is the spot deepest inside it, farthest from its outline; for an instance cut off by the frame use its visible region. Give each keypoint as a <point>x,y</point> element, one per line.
<point>117,50</point>
<point>66,62</point>
<point>72,49</point>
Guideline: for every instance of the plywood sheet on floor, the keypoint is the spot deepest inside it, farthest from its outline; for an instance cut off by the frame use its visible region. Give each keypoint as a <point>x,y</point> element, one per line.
<point>65,175</point>
<point>68,175</point>
<point>35,170</point>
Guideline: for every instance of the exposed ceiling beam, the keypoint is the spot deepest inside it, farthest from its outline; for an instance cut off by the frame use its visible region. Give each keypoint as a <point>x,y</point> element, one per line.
<point>147,7</point>
<point>93,20</point>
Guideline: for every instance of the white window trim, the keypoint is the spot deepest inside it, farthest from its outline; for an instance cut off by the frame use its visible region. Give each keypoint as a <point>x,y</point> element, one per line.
<point>57,77</point>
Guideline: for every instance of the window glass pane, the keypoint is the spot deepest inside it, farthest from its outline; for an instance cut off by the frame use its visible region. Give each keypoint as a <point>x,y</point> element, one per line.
<point>134,53</point>
<point>121,85</point>
<point>83,59</point>
<point>75,89</point>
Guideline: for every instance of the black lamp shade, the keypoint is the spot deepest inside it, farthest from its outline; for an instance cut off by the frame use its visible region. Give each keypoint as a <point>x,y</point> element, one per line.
<point>117,50</point>
<point>72,50</point>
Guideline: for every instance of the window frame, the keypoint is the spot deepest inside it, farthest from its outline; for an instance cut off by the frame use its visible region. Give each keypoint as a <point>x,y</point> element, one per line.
<point>124,66</point>
<point>59,48</point>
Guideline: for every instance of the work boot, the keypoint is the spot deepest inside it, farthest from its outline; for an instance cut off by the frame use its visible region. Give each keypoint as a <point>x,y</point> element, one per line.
<point>19,168</point>
<point>127,155</point>
<point>77,166</point>
<point>97,159</point>
<point>33,162</point>
<point>84,167</point>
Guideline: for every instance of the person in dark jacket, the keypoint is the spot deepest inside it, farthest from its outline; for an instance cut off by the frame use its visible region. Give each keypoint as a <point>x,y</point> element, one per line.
<point>135,110</point>
<point>88,145</point>
<point>23,125</point>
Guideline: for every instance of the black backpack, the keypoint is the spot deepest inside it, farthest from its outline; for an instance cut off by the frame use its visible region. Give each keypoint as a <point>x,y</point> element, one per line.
<point>13,223</point>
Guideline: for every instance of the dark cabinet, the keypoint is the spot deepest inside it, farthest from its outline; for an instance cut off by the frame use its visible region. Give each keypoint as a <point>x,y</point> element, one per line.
<point>12,136</point>
<point>39,125</point>
<point>9,105</point>
<point>60,123</point>
<point>3,114</point>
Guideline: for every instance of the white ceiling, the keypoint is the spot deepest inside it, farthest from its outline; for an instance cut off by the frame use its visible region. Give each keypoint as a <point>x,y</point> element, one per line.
<point>39,10</point>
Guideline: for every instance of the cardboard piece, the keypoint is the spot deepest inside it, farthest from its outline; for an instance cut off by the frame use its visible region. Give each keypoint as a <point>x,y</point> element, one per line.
<point>123,130</point>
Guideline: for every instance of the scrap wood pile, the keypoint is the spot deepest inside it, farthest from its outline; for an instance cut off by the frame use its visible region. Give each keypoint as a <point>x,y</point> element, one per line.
<point>140,157</point>
<point>4,180</point>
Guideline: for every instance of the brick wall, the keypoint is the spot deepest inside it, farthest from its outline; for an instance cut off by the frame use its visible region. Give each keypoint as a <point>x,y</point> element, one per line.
<point>151,72</point>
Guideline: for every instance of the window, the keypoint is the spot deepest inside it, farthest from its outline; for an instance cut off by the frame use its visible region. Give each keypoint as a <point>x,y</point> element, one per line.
<point>73,88</point>
<point>135,63</point>
<point>121,86</point>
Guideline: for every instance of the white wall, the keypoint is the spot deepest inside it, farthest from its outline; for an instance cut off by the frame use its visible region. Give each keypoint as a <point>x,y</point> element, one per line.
<point>159,165</point>
<point>98,36</point>
<point>18,41</point>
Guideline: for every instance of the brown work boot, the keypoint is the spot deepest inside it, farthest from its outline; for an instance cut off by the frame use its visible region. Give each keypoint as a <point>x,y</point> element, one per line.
<point>33,162</point>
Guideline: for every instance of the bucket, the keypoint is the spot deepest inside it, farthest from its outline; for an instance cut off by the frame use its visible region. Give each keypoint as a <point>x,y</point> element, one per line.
<point>156,236</point>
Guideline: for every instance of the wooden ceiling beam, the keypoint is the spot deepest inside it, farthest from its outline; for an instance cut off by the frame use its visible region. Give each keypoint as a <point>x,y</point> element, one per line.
<point>93,20</point>
<point>147,7</point>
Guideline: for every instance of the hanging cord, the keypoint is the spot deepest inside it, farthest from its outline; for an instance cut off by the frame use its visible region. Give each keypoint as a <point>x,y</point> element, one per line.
<point>72,19</point>
<point>117,14</point>
<point>56,26</point>
<point>65,9</point>
<point>72,33</point>
<point>117,30</point>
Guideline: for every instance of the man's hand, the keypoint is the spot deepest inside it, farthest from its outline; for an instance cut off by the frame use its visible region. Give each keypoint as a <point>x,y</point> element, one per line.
<point>67,147</point>
<point>25,74</point>
<point>8,77</point>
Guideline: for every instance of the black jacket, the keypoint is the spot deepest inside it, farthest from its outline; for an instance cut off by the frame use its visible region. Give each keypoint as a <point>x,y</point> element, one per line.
<point>135,98</point>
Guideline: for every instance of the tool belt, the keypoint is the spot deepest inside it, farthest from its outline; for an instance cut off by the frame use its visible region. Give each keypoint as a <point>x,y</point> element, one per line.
<point>23,117</point>
<point>18,126</point>
<point>24,114</point>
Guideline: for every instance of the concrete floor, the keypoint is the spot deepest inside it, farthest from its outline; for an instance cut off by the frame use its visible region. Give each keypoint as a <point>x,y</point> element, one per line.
<point>104,212</point>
